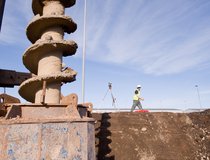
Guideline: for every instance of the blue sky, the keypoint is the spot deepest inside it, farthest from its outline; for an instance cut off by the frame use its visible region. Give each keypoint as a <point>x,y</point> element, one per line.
<point>162,45</point>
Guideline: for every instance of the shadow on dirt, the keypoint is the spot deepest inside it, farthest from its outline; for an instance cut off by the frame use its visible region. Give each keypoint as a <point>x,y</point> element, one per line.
<point>103,140</point>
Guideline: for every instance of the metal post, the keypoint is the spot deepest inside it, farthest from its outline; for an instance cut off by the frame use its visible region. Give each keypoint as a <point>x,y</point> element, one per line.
<point>44,85</point>
<point>2,4</point>
<point>199,99</point>
<point>84,49</point>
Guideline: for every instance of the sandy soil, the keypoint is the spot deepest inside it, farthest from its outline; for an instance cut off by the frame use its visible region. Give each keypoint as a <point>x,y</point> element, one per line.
<point>153,136</point>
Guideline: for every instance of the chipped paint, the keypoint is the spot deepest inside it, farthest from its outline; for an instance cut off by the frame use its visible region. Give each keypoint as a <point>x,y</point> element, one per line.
<point>48,141</point>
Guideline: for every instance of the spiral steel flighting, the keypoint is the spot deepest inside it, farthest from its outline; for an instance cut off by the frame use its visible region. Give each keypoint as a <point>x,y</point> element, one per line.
<point>44,57</point>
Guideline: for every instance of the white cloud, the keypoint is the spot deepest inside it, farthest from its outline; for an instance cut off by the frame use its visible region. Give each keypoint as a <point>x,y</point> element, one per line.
<point>16,17</point>
<point>158,38</point>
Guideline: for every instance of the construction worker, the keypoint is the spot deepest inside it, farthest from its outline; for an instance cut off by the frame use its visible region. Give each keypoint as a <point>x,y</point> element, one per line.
<point>137,98</point>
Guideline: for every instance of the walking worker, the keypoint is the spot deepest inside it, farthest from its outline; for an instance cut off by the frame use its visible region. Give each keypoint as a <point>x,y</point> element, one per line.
<point>136,99</point>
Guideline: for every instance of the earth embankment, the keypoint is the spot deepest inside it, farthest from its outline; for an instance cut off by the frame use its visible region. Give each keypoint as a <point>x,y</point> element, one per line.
<point>153,136</point>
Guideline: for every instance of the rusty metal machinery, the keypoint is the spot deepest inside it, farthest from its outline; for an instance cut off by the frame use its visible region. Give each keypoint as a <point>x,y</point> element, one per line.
<point>44,57</point>
<point>52,126</point>
<point>4,100</point>
<point>10,78</point>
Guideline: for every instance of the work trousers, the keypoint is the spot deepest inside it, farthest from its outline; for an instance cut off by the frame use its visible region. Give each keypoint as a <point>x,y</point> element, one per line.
<point>136,103</point>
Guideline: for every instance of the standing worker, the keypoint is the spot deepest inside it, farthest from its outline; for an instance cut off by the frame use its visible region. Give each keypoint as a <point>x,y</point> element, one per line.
<point>137,98</point>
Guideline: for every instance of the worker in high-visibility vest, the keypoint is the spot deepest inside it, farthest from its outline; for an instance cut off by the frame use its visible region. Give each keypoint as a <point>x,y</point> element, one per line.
<point>137,98</point>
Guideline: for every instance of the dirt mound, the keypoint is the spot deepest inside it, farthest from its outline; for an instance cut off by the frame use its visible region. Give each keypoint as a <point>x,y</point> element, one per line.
<point>153,136</point>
